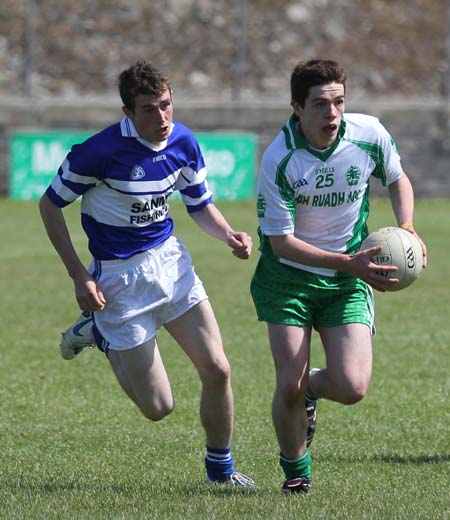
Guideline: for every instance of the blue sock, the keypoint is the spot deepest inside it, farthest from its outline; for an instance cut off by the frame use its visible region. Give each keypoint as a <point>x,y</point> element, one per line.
<point>219,463</point>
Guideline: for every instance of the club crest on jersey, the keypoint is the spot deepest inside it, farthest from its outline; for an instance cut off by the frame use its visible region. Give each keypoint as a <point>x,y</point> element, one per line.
<point>352,175</point>
<point>137,172</point>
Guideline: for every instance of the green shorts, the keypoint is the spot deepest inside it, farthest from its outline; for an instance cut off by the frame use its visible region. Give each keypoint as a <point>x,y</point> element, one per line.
<point>291,296</point>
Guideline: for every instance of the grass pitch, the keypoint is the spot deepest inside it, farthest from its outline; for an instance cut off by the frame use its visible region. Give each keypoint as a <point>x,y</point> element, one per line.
<point>73,446</point>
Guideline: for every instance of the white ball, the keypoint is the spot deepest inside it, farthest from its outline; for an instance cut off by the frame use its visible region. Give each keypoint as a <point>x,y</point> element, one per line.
<point>400,248</point>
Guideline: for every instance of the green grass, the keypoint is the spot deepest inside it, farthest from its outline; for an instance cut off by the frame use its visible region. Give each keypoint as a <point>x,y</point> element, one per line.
<point>73,446</point>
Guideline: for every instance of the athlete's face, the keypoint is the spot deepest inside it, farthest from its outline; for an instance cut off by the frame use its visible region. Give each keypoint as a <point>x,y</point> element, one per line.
<point>152,116</point>
<point>321,115</point>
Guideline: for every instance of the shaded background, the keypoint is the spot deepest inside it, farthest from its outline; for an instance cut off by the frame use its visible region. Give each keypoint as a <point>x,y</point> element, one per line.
<point>229,63</point>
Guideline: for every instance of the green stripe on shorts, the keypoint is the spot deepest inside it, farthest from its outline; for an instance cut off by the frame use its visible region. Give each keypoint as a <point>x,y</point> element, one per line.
<point>287,295</point>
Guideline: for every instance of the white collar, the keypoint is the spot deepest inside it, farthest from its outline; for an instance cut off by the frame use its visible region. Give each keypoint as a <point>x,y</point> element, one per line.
<point>129,130</point>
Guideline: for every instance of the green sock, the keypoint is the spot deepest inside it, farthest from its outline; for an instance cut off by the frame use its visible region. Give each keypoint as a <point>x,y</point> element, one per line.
<point>310,396</point>
<point>297,467</point>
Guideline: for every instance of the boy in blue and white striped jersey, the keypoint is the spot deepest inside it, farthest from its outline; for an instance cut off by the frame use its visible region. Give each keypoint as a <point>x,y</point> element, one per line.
<point>141,276</point>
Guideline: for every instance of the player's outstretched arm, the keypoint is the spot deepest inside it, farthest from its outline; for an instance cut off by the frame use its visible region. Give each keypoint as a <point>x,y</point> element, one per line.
<point>211,220</point>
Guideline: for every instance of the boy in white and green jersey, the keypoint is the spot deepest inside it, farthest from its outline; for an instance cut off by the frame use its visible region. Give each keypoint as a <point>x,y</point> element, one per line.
<point>313,204</point>
<point>321,196</point>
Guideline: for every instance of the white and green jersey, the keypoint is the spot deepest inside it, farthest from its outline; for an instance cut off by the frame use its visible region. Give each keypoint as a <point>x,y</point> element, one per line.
<point>322,196</point>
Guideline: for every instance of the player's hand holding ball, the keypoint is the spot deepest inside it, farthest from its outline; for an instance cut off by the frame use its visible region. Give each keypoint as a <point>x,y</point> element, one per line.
<point>399,248</point>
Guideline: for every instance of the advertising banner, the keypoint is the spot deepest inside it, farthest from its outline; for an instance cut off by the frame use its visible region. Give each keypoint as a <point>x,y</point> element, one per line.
<point>36,156</point>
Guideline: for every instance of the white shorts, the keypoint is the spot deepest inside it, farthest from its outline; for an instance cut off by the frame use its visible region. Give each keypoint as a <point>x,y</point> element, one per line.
<point>144,292</point>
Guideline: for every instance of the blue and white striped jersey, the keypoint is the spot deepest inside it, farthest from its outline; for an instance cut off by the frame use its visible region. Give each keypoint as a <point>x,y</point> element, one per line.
<point>125,183</point>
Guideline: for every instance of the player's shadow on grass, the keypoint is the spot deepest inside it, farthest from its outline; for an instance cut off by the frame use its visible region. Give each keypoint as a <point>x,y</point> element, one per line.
<point>393,459</point>
<point>421,459</point>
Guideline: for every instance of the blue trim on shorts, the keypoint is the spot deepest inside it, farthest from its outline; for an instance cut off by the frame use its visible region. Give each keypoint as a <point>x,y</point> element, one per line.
<point>97,269</point>
<point>100,341</point>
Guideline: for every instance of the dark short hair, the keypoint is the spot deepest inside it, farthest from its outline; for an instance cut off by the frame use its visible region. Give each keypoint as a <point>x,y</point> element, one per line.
<point>312,73</point>
<point>141,78</point>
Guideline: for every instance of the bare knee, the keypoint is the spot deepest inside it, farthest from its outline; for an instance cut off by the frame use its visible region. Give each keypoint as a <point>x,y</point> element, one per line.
<point>292,392</point>
<point>156,411</point>
<point>215,372</point>
<point>353,394</point>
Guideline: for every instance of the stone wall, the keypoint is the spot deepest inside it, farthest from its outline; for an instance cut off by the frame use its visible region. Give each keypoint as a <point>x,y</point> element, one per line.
<point>222,47</point>
<point>420,128</point>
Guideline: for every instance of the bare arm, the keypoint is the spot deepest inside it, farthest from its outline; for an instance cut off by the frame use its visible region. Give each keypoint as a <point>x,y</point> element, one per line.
<point>402,200</point>
<point>211,220</point>
<point>87,292</point>
<point>359,264</point>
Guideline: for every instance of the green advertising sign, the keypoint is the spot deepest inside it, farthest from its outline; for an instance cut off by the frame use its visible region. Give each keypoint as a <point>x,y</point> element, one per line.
<point>230,160</point>
<point>36,156</point>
